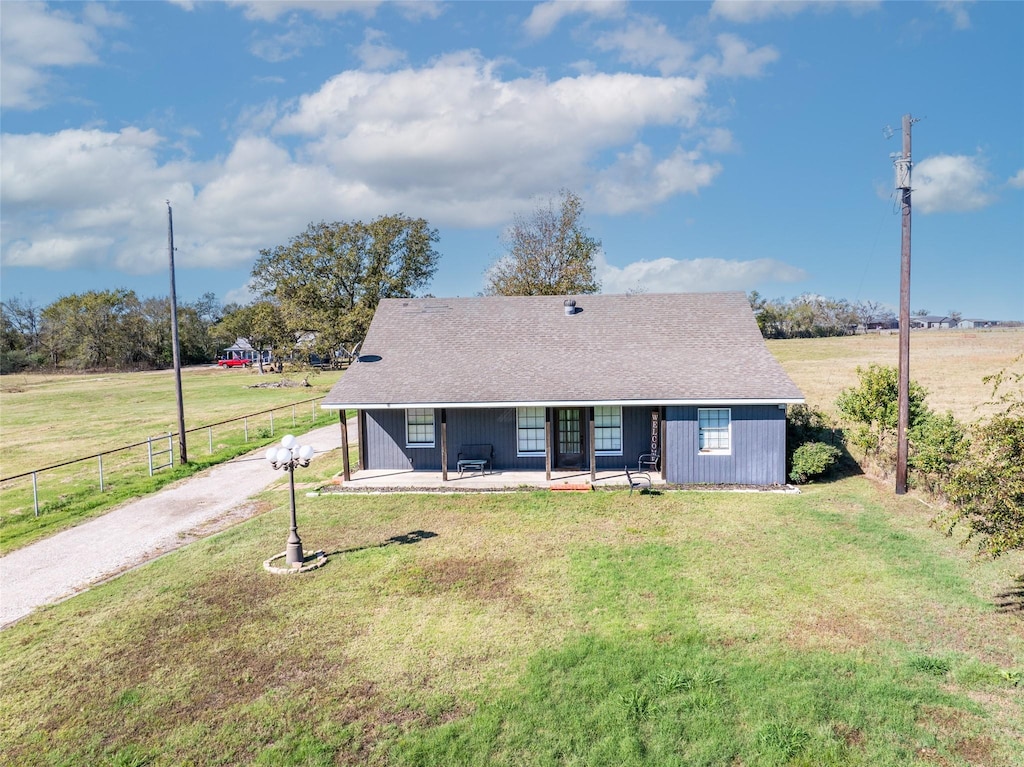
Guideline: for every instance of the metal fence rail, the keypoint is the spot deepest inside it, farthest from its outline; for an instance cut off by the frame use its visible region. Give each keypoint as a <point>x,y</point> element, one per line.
<point>160,449</point>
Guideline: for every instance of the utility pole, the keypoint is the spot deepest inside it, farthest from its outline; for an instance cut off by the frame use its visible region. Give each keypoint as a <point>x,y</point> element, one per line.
<point>183,452</point>
<point>903,167</point>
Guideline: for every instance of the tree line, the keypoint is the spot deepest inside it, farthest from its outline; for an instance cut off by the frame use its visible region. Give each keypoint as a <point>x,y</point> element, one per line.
<point>105,330</point>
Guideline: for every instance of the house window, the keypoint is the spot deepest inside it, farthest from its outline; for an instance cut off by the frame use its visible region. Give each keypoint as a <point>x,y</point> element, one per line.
<point>419,427</point>
<point>608,430</point>
<point>530,430</point>
<point>715,425</point>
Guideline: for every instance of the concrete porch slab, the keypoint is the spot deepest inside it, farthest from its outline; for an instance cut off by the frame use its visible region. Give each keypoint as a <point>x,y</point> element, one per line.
<point>382,480</point>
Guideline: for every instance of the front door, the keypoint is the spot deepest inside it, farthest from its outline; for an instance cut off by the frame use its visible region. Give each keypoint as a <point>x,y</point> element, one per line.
<point>569,438</point>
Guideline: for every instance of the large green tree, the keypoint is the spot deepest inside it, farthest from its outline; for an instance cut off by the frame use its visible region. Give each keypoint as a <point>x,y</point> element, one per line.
<point>548,253</point>
<point>329,279</point>
<point>96,329</point>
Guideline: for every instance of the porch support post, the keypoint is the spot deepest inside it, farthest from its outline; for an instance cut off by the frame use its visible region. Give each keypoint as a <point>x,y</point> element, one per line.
<point>361,424</point>
<point>444,444</point>
<point>346,467</point>
<point>547,443</point>
<point>593,449</point>
<point>664,452</point>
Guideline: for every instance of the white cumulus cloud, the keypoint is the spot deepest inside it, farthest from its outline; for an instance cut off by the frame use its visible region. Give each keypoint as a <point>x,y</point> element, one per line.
<point>748,11</point>
<point>670,275</point>
<point>645,41</point>
<point>737,59</point>
<point>271,10</point>
<point>455,142</point>
<point>958,12</point>
<point>950,183</point>
<point>458,131</point>
<point>36,39</point>
<point>1017,180</point>
<point>545,16</point>
<point>375,53</point>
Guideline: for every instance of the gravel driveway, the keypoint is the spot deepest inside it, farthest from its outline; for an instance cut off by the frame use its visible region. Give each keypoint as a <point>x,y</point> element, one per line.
<point>64,564</point>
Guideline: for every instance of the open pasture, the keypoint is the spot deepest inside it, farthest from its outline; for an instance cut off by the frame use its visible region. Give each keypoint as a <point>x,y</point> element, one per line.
<point>950,364</point>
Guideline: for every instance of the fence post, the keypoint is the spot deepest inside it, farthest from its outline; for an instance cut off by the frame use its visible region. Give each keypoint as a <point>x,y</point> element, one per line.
<point>149,448</point>
<point>100,456</point>
<point>35,493</point>
<point>293,416</point>
<point>245,423</point>
<point>209,430</point>
<point>170,448</point>
<point>313,410</point>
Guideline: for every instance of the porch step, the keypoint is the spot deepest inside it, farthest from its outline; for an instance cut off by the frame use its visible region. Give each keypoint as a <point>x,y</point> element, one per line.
<point>572,488</point>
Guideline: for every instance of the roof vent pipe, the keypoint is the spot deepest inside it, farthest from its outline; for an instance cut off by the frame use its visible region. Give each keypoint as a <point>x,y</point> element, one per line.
<point>570,307</point>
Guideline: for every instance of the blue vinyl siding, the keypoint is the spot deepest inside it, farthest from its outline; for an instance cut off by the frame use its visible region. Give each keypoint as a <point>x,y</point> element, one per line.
<point>757,455</point>
<point>385,443</point>
<point>385,439</point>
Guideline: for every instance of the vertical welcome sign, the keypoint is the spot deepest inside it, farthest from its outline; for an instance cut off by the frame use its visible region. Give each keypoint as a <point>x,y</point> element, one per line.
<point>655,430</point>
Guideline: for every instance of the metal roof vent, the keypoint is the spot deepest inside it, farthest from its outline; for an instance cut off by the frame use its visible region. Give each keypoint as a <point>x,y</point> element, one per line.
<point>570,307</point>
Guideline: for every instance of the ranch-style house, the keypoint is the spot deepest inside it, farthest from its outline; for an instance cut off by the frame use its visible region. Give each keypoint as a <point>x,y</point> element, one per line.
<point>550,383</point>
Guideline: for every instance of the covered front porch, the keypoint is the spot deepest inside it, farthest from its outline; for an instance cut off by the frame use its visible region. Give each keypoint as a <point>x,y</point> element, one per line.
<point>408,480</point>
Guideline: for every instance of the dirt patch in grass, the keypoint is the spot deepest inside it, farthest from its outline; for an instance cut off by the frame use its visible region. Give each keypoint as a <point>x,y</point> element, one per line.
<point>474,577</point>
<point>976,750</point>
<point>838,632</point>
<point>853,737</point>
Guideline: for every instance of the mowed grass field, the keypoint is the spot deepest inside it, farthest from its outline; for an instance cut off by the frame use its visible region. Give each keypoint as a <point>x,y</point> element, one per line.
<point>832,627</point>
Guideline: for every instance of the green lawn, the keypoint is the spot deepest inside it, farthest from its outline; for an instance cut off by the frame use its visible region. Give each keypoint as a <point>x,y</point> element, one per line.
<point>832,627</point>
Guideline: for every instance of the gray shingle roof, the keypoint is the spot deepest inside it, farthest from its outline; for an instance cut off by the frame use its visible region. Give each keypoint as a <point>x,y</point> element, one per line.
<point>503,350</point>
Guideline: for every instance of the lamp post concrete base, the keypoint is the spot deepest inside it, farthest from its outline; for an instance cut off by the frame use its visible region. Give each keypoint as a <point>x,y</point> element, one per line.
<point>319,559</point>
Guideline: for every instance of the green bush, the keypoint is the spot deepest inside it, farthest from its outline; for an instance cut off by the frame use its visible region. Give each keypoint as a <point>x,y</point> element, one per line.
<point>813,459</point>
<point>987,490</point>
<point>873,409</point>
<point>938,444</point>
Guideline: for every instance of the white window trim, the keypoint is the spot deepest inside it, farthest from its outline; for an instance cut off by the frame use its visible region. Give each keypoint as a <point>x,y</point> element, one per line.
<point>714,450</point>
<point>610,452</point>
<point>530,453</point>
<point>433,425</point>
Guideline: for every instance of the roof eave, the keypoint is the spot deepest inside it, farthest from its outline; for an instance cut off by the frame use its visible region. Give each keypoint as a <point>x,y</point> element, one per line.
<point>707,402</point>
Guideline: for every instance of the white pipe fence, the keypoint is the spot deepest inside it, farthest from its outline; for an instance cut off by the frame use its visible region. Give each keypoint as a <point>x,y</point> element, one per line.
<point>159,457</point>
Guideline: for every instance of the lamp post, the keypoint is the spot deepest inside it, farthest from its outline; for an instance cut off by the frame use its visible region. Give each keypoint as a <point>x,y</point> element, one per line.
<point>287,457</point>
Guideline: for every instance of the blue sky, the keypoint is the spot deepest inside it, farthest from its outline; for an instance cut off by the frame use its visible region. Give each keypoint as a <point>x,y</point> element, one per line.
<point>717,145</point>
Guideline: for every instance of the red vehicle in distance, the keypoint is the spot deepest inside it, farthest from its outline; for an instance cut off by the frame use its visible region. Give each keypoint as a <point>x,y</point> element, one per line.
<point>234,362</point>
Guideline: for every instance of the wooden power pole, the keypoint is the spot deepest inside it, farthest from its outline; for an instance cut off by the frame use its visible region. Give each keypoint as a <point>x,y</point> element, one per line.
<point>174,340</point>
<point>903,168</point>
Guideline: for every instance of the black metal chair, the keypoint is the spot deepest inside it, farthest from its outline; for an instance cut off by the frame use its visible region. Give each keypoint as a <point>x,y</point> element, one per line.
<point>650,460</point>
<point>638,480</point>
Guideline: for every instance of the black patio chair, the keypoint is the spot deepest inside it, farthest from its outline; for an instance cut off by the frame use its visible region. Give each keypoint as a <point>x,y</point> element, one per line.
<point>649,460</point>
<point>638,480</point>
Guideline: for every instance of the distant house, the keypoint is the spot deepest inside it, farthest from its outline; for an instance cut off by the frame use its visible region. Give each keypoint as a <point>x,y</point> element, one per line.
<point>241,349</point>
<point>965,323</point>
<point>553,383</point>
<point>931,321</point>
